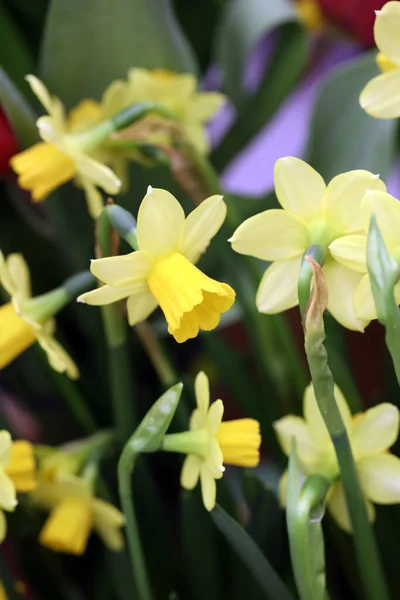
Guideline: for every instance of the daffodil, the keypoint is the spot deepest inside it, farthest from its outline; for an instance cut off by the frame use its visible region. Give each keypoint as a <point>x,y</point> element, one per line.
<point>381,96</point>
<point>312,213</point>
<point>18,330</point>
<point>162,271</point>
<point>351,250</point>
<point>68,151</point>
<point>74,513</point>
<point>17,473</point>
<point>371,434</point>
<point>210,443</point>
<point>177,92</point>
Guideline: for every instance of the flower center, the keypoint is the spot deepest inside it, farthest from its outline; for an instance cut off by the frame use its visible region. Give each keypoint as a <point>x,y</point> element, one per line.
<point>321,232</point>
<point>188,298</point>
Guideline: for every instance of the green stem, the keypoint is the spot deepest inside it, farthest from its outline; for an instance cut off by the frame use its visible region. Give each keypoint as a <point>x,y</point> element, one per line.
<point>121,381</point>
<point>366,549</point>
<point>139,571</point>
<point>392,338</point>
<point>159,359</point>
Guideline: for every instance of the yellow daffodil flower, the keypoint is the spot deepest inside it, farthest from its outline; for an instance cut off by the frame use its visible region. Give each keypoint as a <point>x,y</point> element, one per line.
<point>74,513</point>
<point>371,434</point>
<point>351,250</point>
<point>312,213</point>
<point>67,152</point>
<point>17,473</point>
<point>211,443</point>
<point>310,14</point>
<point>381,96</point>
<point>177,92</point>
<point>162,271</point>
<point>18,330</point>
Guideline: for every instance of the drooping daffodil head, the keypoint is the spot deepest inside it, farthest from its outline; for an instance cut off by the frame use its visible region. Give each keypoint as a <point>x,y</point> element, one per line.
<point>18,328</point>
<point>351,251</point>
<point>17,474</point>
<point>162,271</point>
<point>211,443</point>
<point>68,151</point>
<point>380,98</point>
<point>312,213</point>
<point>74,513</point>
<point>178,93</point>
<point>371,434</point>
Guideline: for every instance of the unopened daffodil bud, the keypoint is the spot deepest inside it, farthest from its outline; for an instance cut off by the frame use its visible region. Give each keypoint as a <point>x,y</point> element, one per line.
<point>312,213</point>
<point>210,443</point>
<point>162,271</point>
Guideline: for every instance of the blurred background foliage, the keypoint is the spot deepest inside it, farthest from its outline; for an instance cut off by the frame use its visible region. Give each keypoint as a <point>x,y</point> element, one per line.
<point>260,54</point>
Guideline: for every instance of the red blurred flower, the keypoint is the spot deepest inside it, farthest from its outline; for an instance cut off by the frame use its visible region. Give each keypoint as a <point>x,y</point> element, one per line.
<point>355,17</point>
<point>8,143</point>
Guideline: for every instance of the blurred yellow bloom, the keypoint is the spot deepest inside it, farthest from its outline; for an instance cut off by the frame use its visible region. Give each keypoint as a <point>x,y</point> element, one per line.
<point>381,96</point>
<point>74,513</point>
<point>371,434</point>
<point>312,213</point>
<point>351,251</point>
<point>310,14</point>
<point>211,443</point>
<point>177,92</point>
<point>18,330</point>
<point>67,152</point>
<point>162,272</point>
<point>17,473</point>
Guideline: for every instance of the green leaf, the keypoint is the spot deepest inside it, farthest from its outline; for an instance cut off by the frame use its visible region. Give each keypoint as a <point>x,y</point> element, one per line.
<point>87,45</point>
<point>18,111</point>
<point>243,24</point>
<point>151,430</point>
<point>16,59</point>
<point>343,137</point>
<point>304,512</point>
<point>255,110</point>
<point>268,580</point>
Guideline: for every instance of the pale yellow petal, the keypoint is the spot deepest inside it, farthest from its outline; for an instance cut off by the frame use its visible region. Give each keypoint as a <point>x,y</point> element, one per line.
<point>204,105</point>
<point>295,428</point>
<point>386,31</point>
<point>376,430</point>
<point>380,478</point>
<point>50,103</point>
<point>299,188</point>
<point>363,301</point>
<point>201,226</point>
<point>278,287</point>
<point>313,416</point>
<point>190,471</point>
<point>351,252</point>
<point>3,526</point>
<point>160,224</point>
<point>108,521</point>
<point>196,134</point>
<point>271,235</point>
<point>381,96</point>
<point>94,197</point>
<point>5,448</point>
<point>338,507</point>
<point>202,392</point>
<point>120,270</point>
<point>5,277</point>
<point>107,294</point>
<point>214,417</point>
<point>97,173</point>
<point>343,197</point>
<point>215,459</point>
<point>342,284</point>
<point>58,357</point>
<point>49,494</point>
<point>208,489</point>
<point>387,211</point>
<point>8,496</point>
<point>140,306</point>
<point>19,272</point>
